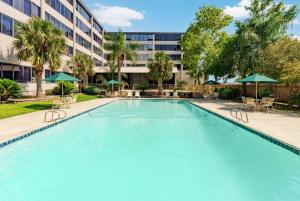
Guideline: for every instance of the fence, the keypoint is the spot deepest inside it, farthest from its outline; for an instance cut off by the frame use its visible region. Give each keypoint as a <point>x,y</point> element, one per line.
<point>281,92</point>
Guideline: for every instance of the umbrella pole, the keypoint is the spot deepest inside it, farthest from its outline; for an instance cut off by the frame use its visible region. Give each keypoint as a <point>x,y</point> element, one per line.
<point>256,90</point>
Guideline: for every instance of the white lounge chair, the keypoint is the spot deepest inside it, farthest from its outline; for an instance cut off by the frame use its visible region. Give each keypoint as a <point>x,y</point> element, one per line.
<point>137,94</point>
<point>167,94</point>
<point>129,94</point>
<point>175,94</point>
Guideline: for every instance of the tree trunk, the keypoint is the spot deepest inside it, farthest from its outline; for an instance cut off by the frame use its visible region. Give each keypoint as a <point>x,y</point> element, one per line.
<point>160,87</point>
<point>39,77</point>
<point>85,80</point>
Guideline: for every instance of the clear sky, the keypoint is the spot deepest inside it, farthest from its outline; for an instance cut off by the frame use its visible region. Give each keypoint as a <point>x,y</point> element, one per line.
<point>165,15</point>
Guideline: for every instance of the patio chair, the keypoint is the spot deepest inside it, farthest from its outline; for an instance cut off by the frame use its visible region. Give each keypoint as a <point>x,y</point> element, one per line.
<point>57,103</point>
<point>216,95</point>
<point>244,103</point>
<point>129,94</point>
<point>137,94</point>
<point>250,103</point>
<point>267,103</point>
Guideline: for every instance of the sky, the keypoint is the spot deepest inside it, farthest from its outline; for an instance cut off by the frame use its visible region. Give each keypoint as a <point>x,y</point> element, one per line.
<point>167,15</point>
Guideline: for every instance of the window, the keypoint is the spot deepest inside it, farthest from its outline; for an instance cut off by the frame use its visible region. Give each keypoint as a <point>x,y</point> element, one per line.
<point>65,29</point>
<point>144,57</point>
<point>71,2</point>
<point>10,2</point>
<point>97,27</point>
<point>139,37</point>
<point>97,39</point>
<point>175,57</point>
<point>7,25</point>
<point>168,47</point>
<point>83,12</point>
<point>145,47</point>
<point>19,5</point>
<point>97,51</point>
<point>83,27</point>
<point>59,7</point>
<point>70,51</point>
<point>84,43</point>
<point>35,10</point>
<point>167,37</point>
<point>27,7</point>
<point>97,62</point>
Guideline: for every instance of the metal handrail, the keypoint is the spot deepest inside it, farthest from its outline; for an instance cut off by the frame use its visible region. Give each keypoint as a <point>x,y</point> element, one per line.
<point>239,115</point>
<point>53,112</point>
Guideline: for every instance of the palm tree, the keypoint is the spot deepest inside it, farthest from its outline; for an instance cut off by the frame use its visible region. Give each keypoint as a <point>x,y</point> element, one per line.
<point>40,43</point>
<point>120,50</point>
<point>196,74</point>
<point>82,66</point>
<point>160,69</point>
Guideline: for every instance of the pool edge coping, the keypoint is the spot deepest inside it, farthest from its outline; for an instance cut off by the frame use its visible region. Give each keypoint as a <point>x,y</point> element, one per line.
<point>39,129</point>
<point>261,134</point>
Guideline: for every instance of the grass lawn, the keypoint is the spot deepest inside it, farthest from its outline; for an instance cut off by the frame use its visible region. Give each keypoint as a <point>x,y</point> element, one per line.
<point>11,109</point>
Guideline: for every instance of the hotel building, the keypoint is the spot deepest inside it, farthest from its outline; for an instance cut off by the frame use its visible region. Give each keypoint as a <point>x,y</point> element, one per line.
<point>83,33</point>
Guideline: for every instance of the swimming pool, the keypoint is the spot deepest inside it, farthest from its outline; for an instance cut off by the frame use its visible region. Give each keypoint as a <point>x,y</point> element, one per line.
<point>147,150</point>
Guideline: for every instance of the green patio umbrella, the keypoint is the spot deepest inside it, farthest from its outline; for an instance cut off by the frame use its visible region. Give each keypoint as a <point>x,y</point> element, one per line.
<point>256,78</point>
<point>112,83</point>
<point>61,77</point>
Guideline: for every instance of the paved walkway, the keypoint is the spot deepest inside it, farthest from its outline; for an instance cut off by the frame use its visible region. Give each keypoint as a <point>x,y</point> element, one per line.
<point>13,127</point>
<point>283,126</point>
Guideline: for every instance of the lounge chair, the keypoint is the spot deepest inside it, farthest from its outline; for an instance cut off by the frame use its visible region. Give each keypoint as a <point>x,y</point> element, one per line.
<point>167,94</point>
<point>129,94</point>
<point>137,94</point>
<point>175,94</point>
<point>57,103</point>
<point>244,105</point>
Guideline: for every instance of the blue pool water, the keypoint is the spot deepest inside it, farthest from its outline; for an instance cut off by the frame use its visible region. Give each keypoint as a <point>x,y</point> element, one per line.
<point>147,150</point>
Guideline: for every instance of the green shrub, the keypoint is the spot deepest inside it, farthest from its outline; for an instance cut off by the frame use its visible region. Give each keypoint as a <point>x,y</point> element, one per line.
<point>264,93</point>
<point>91,90</point>
<point>180,85</point>
<point>228,93</point>
<point>68,88</point>
<point>142,87</point>
<point>295,99</point>
<point>9,88</point>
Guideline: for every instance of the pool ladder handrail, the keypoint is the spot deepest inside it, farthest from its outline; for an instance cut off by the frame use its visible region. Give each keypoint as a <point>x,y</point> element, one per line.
<point>53,112</point>
<point>239,115</point>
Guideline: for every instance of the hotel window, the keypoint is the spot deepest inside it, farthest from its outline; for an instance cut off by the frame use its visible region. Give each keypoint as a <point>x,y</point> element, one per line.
<point>27,7</point>
<point>167,37</point>
<point>71,2</point>
<point>59,7</point>
<point>97,39</point>
<point>35,10</point>
<point>97,27</point>
<point>6,25</point>
<point>83,12</point>
<point>84,43</point>
<point>97,62</point>
<point>70,51</point>
<point>68,32</point>
<point>144,57</point>
<point>97,51</point>
<point>145,47</point>
<point>175,57</point>
<point>19,5</point>
<point>10,2</point>
<point>168,47</point>
<point>83,27</point>
<point>139,37</point>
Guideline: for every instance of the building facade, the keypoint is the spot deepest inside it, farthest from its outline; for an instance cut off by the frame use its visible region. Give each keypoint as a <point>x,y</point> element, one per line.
<point>83,33</point>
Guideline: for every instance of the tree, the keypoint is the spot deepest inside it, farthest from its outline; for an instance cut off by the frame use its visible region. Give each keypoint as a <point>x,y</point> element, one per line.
<point>40,43</point>
<point>160,69</point>
<point>267,24</point>
<point>196,73</point>
<point>202,42</point>
<point>282,61</point>
<point>120,50</point>
<point>82,66</point>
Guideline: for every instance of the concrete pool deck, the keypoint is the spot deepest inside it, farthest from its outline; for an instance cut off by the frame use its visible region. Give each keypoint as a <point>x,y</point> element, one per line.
<point>282,126</point>
<point>13,127</point>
